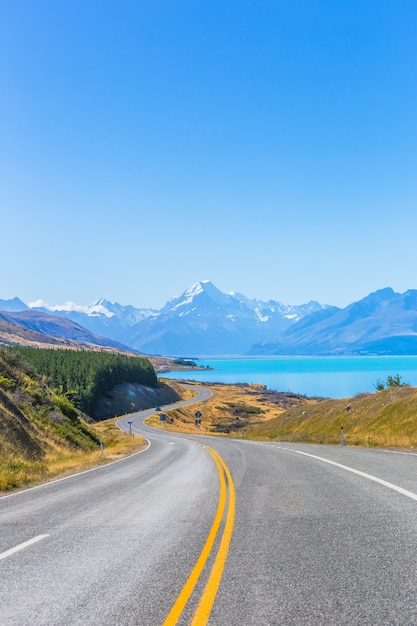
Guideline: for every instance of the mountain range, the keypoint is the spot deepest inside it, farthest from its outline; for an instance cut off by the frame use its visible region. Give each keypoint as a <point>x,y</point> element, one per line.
<point>34,328</point>
<point>203,321</point>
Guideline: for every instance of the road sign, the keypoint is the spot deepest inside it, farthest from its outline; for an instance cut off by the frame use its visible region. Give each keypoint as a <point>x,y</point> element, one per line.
<point>198,414</point>
<point>163,417</point>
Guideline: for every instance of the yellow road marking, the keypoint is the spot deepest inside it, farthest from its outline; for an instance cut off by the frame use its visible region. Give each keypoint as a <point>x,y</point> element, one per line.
<point>191,582</point>
<point>203,611</point>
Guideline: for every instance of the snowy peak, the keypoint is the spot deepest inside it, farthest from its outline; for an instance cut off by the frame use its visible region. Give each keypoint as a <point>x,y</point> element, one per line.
<point>265,311</point>
<point>204,320</point>
<point>128,313</point>
<point>202,295</point>
<point>93,309</point>
<point>204,287</point>
<point>96,309</point>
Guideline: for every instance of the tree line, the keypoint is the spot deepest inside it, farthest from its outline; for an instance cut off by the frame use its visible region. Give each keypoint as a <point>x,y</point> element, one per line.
<point>85,376</point>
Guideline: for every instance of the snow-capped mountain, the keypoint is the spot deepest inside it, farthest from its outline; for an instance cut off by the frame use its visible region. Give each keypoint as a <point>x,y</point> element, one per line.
<point>102,317</point>
<point>266,310</point>
<point>201,321</point>
<point>205,321</point>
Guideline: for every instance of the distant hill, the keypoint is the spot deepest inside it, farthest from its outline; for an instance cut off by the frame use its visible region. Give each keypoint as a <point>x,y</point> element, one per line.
<point>35,328</point>
<point>14,304</point>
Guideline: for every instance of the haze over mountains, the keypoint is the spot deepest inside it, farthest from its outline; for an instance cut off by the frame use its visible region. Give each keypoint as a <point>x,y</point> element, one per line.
<point>203,321</point>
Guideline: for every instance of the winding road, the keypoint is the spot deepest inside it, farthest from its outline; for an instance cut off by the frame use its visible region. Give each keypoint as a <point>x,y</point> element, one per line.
<point>199,529</point>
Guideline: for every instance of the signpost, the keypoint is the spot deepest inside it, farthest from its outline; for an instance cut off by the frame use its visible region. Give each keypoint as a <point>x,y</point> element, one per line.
<point>130,429</point>
<point>197,419</point>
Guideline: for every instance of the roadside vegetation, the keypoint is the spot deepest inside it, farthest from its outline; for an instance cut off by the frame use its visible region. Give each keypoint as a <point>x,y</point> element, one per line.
<point>386,418</point>
<point>232,410</point>
<point>85,376</point>
<point>43,434</point>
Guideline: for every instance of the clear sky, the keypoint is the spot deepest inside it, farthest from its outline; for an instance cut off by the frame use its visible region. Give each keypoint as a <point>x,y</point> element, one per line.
<point>269,146</point>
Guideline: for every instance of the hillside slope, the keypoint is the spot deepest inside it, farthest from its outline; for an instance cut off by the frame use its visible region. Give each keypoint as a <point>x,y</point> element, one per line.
<point>42,434</point>
<point>386,419</point>
<point>34,422</point>
<point>33,327</point>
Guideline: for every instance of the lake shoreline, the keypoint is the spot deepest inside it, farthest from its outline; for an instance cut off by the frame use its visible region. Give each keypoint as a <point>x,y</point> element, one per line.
<point>329,377</point>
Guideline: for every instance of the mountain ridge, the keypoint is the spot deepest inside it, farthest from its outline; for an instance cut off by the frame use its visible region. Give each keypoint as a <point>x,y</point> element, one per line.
<point>36,328</point>
<point>203,321</point>
<point>384,322</point>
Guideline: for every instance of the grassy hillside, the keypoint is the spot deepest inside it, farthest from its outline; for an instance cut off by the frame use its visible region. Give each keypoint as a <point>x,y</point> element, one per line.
<point>35,423</point>
<point>41,432</point>
<point>387,418</point>
<point>44,435</point>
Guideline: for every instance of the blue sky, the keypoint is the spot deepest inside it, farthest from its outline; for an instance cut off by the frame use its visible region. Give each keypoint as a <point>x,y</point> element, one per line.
<point>270,147</point>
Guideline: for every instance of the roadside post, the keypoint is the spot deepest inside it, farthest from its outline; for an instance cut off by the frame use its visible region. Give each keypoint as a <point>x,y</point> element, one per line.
<point>198,419</point>
<point>130,429</point>
<point>342,436</point>
<point>101,447</point>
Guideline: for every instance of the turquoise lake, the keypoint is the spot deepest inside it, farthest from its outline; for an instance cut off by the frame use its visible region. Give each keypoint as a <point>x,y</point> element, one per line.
<point>331,377</point>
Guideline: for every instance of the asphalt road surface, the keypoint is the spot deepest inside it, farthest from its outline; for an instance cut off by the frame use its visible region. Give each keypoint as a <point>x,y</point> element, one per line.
<point>227,532</point>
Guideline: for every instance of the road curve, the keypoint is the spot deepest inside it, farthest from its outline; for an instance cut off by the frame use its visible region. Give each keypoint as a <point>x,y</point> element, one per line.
<point>311,535</point>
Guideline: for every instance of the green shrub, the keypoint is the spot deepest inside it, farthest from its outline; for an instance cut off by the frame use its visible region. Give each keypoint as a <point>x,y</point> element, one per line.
<point>7,384</point>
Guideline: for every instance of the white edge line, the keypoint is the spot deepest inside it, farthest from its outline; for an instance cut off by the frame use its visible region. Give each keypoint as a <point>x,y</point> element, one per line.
<point>21,546</point>
<point>400,490</point>
<point>93,469</point>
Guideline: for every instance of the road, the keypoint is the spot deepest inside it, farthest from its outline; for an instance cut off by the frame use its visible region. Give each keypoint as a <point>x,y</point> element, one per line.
<point>197,530</point>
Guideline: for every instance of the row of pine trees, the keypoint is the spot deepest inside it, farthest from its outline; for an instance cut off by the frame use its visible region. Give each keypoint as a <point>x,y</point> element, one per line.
<point>85,376</point>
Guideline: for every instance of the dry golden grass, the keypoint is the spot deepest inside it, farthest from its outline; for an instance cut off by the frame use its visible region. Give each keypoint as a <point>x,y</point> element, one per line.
<point>63,461</point>
<point>382,419</point>
<point>232,409</point>
<point>116,444</point>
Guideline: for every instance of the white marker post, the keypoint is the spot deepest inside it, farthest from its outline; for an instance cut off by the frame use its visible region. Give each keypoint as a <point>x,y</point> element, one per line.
<point>130,430</point>
<point>342,436</point>
<point>101,447</point>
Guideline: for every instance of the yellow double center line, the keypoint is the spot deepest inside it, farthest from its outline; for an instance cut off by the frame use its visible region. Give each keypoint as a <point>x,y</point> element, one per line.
<point>205,605</point>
